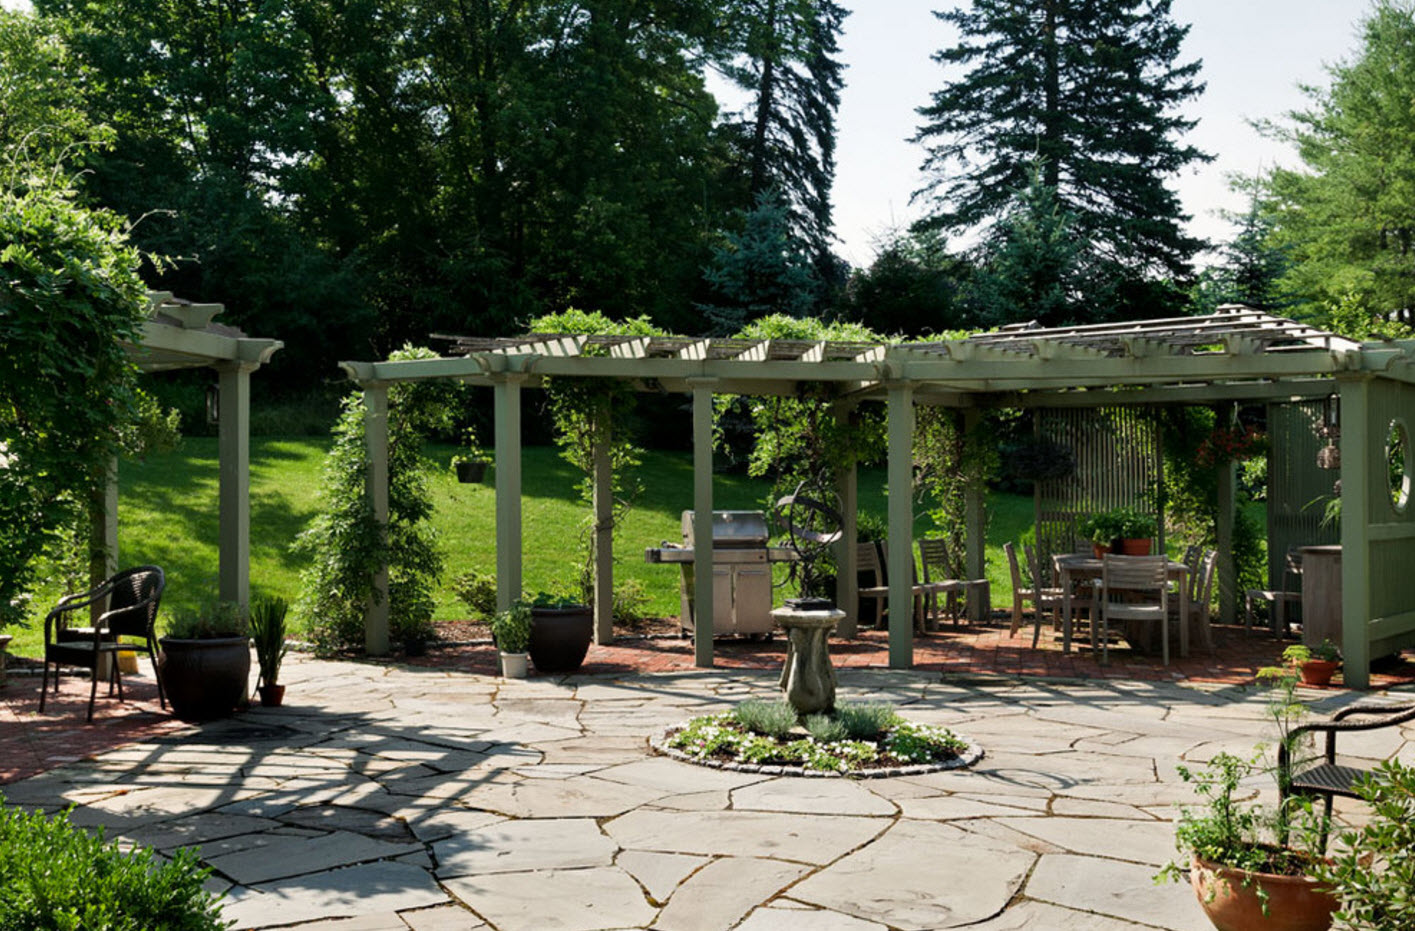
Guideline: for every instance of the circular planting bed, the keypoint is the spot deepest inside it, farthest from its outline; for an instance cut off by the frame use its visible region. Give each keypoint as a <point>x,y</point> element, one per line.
<point>859,741</point>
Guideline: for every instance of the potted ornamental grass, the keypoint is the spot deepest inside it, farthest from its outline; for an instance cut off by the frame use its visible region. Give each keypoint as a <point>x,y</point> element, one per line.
<point>205,661</point>
<point>1252,866</point>
<point>511,629</point>
<point>1316,665</point>
<point>268,635</point>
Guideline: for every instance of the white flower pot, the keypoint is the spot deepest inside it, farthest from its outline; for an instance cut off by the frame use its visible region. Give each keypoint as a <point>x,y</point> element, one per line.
<point>515,665</point>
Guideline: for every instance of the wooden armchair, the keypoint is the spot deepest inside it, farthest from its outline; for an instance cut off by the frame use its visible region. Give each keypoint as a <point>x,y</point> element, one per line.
<point>1134,588</point>
<point>132,598</point>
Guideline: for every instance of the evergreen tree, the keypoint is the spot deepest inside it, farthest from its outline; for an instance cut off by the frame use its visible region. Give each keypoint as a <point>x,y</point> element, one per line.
<point>1091,89</point>
<point>1348,216</point>
<point>1253,265</point>
<point>1031,267</point>
<point>912,288</point>
<point>759,272</point>
<point>783,52</point>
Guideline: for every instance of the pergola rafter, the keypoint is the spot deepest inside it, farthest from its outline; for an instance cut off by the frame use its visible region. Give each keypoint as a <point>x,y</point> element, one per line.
<point>1236,354</point>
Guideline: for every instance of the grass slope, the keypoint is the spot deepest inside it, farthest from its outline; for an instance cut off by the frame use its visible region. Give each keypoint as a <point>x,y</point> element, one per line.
<point>168,516</point>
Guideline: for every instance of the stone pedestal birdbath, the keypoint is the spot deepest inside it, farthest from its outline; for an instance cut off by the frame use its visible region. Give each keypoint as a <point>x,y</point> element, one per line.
<point>808,679</point>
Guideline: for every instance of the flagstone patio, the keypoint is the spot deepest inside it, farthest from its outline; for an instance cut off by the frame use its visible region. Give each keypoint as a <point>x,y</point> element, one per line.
<point>400,797</point>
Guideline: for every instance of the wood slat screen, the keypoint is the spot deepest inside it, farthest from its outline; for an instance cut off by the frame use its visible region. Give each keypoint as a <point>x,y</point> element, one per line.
<point>1118,463</point>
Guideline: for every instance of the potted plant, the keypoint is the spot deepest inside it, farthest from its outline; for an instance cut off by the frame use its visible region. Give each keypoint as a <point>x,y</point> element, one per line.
<point>1137,531</point>
<point>471,465</point>
<point>268,634</point>
<point>561,631</point>
<point>1102,530</point>
<point>205,661</point>
<point>1315,664</point>
<point>511,629</point>
<point>1255,867</point>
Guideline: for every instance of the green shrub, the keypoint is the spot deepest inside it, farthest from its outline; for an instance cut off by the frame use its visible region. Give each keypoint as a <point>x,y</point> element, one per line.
<point>476,590</point>
<point>56,876</point>
<point>631,600</point>
<point>772,718</point>
<point>1373,872</point>
<point>866,721</point>
<point>825,728</point>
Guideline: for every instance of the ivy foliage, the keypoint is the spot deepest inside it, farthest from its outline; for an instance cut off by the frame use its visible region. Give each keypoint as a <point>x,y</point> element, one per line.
<point>69,292</point>
<point>344,543</point>
<point>948,460</point>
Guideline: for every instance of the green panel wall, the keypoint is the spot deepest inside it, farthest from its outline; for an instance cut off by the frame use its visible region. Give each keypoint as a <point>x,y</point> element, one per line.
<point>1297,488</point>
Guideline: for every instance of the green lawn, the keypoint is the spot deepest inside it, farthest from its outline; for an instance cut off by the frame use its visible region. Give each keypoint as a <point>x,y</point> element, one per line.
<point>168,516</point>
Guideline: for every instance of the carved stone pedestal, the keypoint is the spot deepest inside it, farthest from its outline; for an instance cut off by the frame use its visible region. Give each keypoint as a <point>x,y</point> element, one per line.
<point>808,679</point>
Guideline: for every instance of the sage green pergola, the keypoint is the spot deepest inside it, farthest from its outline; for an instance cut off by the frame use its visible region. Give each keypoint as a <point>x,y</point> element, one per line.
<point>179,334</point>
<point>1237,354</point>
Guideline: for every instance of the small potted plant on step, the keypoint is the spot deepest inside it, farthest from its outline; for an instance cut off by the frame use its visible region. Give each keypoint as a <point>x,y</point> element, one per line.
<point>1315,664</point>
<point>205,662</point>
<point>1255,867</point>
<point>471,465</point>
<point>268,634</point>
<point>511,629</point>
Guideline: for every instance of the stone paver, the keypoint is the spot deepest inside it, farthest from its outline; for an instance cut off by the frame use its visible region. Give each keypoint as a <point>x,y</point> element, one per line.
<point>383,798</point>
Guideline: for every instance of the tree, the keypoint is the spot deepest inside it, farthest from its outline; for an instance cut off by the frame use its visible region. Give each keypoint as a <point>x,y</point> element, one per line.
<point>760,272</point>
<point>912,287</point>
<point>42,111</point>
<point>1031,267</point>
<point>1089,88</point>
<point>1348,215</point>
<point>783,52</point>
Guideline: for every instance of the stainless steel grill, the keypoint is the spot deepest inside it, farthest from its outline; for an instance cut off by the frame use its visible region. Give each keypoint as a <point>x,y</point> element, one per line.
<point>741,571</point>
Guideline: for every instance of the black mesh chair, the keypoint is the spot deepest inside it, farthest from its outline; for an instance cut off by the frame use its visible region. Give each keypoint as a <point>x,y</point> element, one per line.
<point>1324,778</point>
<point>132,598</point>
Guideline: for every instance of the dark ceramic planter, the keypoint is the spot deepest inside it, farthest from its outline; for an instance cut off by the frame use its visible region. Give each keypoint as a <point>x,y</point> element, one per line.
<point>469,473</point>
<point>205,679</point>
<point>560,637</point>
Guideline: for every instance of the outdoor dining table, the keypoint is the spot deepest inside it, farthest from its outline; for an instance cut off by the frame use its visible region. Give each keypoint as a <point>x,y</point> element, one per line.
<point>1080,566</point>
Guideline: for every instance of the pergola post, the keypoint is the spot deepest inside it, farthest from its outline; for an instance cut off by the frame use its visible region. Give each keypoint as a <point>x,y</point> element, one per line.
<point>1356,470</point>
<point>1223,532</point>
<point>507,404</point>
<point>103,535</point>
<point>603,493</point>
<point>376,487</point>
<point>975,523</point>
<point>703,606</point>
<point>234,432</point>
<point>847,581</point>
<point>901,524</point>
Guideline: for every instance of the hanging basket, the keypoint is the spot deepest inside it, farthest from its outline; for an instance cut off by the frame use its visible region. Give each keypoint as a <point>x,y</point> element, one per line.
<point>1329,456</point>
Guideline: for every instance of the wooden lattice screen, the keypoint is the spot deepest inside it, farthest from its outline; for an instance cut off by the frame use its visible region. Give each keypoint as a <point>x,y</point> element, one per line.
<point>1119,462</point>
<point>1297,489</point>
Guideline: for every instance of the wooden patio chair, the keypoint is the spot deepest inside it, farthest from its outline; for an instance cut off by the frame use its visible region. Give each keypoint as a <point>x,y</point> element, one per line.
<point>1325,778</point>
<point>869,560</point>
<point>1133,588</point>
<point>1200,583</point>
<point>1289,594</point>
<point>1081,597</point>
<point>977,593</point>
<point>133,596</point>
<point>1043,599</point>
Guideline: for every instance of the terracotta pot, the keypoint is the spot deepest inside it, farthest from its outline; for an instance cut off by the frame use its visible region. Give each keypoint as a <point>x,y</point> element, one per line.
<point>560,637</point>
<point>272,696</point>
<point>1135,547</point>
<point>205,679</point>
<point>515,665</point>
<point>1295,903</point>
<point>1319,671</point>
<point>1100,549</point>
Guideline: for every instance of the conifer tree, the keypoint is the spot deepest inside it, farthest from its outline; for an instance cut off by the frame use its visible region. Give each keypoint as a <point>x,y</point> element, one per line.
<point>1090,88</point>
<point>784,53</point>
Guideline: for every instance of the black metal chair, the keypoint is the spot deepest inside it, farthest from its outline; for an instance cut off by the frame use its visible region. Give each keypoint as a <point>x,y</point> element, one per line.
<point>1326,779</point>
<point>133,596</point>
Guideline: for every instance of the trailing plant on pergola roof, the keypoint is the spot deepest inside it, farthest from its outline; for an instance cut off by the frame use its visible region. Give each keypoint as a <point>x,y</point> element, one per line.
<point>1237,354</point>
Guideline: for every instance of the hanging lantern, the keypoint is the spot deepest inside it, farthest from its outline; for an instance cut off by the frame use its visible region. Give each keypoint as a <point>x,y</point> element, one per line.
<point>1329,456</point>
<point>213,404</point>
